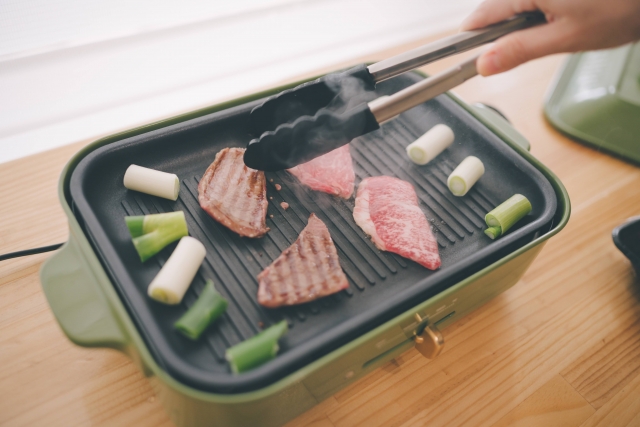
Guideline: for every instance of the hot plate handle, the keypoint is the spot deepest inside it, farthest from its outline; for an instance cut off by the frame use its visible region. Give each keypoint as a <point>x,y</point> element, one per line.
<point>77,302</point>
<point>501,125</point>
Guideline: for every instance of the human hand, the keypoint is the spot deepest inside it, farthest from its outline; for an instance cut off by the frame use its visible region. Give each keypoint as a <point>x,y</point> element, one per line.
<point>573,25</point>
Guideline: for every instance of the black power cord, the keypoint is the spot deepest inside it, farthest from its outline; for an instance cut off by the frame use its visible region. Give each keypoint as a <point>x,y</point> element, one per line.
<point>32,251</point>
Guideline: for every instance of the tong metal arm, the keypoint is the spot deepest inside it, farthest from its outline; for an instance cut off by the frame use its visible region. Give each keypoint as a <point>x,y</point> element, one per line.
<point>389,107</point>
<point>314,118</point>
<point>410,97</point>
<point>451,45</point>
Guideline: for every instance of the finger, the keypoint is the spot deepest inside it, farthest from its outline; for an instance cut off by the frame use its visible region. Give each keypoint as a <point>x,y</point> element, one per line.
<point>492,11</point>
<point>522,46</point>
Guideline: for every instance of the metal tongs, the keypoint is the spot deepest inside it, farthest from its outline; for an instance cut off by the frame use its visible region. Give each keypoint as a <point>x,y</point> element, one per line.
<point>314,118</point>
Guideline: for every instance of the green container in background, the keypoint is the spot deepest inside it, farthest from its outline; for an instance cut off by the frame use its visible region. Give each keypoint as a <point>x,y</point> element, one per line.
<point>596,99</point>
<point>91,314</point>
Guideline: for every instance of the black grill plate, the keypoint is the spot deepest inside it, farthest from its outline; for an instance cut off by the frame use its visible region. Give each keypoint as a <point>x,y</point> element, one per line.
<point>382,285</point>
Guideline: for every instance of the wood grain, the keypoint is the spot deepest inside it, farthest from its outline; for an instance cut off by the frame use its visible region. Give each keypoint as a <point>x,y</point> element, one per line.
<point>556,403</point>
<point>561,344</point>
<point>608,366</point>
<point>622,410</point>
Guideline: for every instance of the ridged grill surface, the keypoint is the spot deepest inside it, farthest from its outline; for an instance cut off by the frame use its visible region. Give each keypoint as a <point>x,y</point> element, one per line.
<point>234,263</point>
<point>381,284</point>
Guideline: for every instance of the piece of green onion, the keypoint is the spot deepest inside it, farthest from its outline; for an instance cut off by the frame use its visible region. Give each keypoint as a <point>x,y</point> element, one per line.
<point>465,175</point>
<point>175,276</point>
<point>151,181</point>
<point>151,233</point>
<point>493,232</point>
<point>256,350</point>
<point>208,307</point>
<point>430,145</point>
<point>503,217</point>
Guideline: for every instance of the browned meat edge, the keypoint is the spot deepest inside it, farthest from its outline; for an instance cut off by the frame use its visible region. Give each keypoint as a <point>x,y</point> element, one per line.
<point>220,216</point>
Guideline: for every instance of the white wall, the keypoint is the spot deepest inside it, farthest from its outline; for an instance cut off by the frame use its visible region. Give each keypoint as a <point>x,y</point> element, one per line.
<point>72,70</point>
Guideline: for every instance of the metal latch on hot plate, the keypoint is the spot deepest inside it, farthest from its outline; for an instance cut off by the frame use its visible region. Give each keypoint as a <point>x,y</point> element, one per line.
<point>429,340</point>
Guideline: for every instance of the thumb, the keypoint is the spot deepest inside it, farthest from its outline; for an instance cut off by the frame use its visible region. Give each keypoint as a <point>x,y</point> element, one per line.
<point>522,46</point>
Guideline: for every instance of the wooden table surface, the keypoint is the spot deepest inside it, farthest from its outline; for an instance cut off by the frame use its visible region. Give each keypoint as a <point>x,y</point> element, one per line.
<point>561,348</point>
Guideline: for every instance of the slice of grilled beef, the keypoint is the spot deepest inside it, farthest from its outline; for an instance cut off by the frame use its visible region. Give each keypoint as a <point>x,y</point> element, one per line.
<point>387,209</point>
<point>331,173</point>
<point>306,270</point>
<point>235,195</point>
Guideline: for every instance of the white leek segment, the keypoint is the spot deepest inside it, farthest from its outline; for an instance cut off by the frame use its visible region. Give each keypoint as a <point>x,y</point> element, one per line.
<point>150,181</point>
<point>173,280</point>
<point>465,176</point>
<point>429,145</point>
